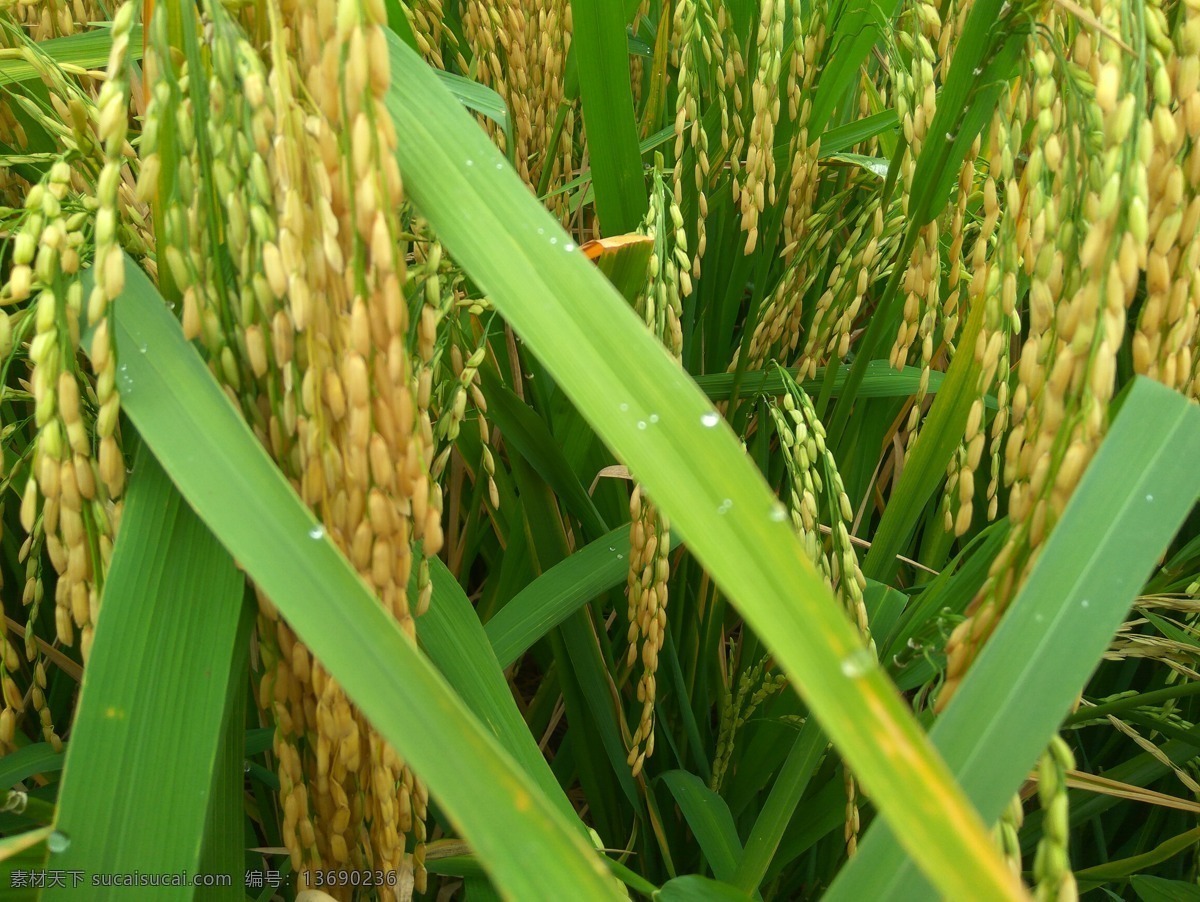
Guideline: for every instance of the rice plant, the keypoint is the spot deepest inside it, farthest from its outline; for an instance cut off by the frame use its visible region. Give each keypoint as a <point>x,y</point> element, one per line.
<point>669,449</point>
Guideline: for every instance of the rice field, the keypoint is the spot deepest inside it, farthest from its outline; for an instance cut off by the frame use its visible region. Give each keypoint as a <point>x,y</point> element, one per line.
<point>587,449</point>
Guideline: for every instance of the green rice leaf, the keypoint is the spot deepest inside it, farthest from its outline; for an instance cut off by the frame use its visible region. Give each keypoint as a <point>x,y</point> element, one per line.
<point>843,137</point>
<point>87,50</point>
<point>854,29</point>
<point>1125,867</point>
<point>694,888</point>
<point>452,636</point>
<point>157,686</point>
<point>654,418</point>
<point>601,47</point>
<point>528,845</point>
<point>479,99</point>
<point>1128,505</point>
<point>1159,889</point>
<point>39,758</point>
<point>710,821</point>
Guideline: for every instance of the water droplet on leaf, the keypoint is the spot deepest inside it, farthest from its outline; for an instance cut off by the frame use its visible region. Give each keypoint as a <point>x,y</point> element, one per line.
<point>58,841</point>
<point>858,663</point>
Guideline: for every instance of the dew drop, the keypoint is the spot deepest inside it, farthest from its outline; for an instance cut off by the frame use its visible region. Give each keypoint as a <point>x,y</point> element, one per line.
<point>623,407</point>
<point>620,557</point>
<point>653,418</point>
<point>317,532</point>
<point>1149,497</point>
<point>1038,618</point>
<point>470,162</point>
<point>710,419</point>
<point>141,349</point>
<point>641,424</point>
<point>246,767</point>
<point>541,231</point>
<point>1085,603</point>
<point>568,247</point>
<point>612,547</point>
<point>778,513</point>
<point>499,165</point>
<point>858,663</point>
<point>553,240</point>
<point>58,841</point>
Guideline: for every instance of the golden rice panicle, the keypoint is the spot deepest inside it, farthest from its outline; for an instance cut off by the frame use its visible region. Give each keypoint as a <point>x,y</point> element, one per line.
<point>286,207</point>
<point>916,102</point>
<point>1067,371</point>
<point>239,130</point>
<point>994,285</point>
<point>1164,344</point>
<point>924,309</point>
<point>428,21</point>
<point>755,686</point>
<point>520,48</point>
<point>462,384</point>
<point>814,478</point>
<point>1188,98</point>
<point>805,249</point>
<point>669,280</point>
<point>804,482</point>
<point>756,185</point>
<point>816,484</point>
<point>660,306</point>
<point>688,40</point>
<point>803,147</point>
<point>184,247</point>
<point>12,132</point>
<point>699,44</point>
<point>778,328</point>
<point>730,68</point>
<point>1055,882</point>
<point>1007,834</point>
<point>637,71</point>
<point>649,569</point>
<point>113,106</point>
<point>859,262</point>
<point>65,507</point>
<point>311,336</point>
<point>374,408</point>
<point>48,19</point>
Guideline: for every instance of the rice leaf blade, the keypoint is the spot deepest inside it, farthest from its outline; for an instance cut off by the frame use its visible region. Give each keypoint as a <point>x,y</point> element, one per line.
<point>601,50</point>
<point>1128,505</point>
<point>530,848</point>
<point>602,357</point>
<point>156,689</point>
